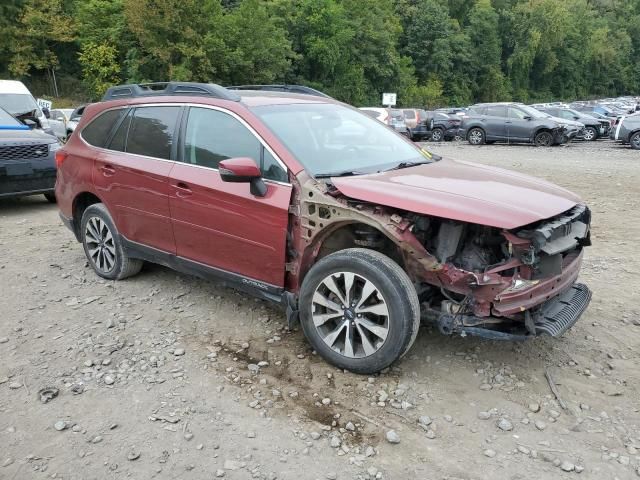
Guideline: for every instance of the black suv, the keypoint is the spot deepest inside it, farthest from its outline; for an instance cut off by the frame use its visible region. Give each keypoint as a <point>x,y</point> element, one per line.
<point>594,128</point>
<point>510,123</point>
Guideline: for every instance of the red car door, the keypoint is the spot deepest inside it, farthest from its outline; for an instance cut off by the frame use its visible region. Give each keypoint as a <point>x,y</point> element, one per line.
<point>132,175</point>
<point>222,224</point>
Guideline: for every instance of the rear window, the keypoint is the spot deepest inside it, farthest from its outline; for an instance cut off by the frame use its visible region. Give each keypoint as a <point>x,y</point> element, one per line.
<point>409,114</point>
<point>97,132</point>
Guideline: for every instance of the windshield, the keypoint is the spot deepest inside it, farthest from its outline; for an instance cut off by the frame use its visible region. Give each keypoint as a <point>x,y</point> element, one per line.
<point>328,138</point>
<point>17,103</point>
<point>532,112</point>
<point>6,120</point>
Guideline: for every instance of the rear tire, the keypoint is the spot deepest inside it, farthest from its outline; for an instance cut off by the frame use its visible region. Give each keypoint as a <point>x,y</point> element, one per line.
<point>476,136</point>
<point>634,141</point>
<point>103,247</point>
<point>359,310</point>
<point>51,197</point>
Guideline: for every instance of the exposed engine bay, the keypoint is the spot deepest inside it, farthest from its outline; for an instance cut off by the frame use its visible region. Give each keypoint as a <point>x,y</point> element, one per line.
<point>518,259</point>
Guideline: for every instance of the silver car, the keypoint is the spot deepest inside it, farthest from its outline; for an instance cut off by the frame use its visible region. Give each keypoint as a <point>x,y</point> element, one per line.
<point>627,131</point>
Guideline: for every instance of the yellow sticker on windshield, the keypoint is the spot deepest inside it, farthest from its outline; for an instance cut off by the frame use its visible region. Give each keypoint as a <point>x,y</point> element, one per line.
<point>426,153</point>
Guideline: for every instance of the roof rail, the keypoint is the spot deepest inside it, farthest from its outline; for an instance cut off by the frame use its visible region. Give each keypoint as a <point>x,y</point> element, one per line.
<point>282,88</point>
<point>171,89</point>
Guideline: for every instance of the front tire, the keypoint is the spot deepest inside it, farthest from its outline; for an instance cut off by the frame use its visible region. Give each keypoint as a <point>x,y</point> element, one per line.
<point>103,247</point>
<point>590,134</point>
<point>437,135</point>
<point>634,141</point>
<point>543,139</point>
<point>476,136</point>
<point>359,310</point>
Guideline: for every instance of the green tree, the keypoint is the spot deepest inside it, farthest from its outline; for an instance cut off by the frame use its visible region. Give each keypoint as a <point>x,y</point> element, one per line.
<point>258,48</point>
<point>42,26</point>
<point>488,81</point>
<point>100,68</point>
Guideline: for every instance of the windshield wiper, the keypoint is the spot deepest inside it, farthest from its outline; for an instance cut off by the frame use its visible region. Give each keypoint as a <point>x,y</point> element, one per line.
<point>345,173</point>
<point>413,164</point>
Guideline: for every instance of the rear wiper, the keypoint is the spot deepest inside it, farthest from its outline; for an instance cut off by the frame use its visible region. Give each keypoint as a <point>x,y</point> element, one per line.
<point>345,173</point>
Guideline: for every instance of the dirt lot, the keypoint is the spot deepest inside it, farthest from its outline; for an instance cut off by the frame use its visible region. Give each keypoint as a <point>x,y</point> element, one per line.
<point>153,376</point>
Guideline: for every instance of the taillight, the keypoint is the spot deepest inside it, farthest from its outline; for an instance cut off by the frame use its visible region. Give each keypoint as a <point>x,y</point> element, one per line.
<point>61,156</point>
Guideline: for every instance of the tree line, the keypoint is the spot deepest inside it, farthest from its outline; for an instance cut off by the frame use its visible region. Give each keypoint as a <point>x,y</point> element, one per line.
<point>431,52</point>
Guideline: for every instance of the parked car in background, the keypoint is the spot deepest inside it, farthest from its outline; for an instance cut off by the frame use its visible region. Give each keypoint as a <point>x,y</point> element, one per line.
<point>16,99</point>
<point>355,235</point>
<point>573,128</point>
<point>74,118</point>
<point>27,165</point>
<point>594,128</point>
<point>58,119</point>
<point>417,123</point>
<point>627,131</point>
<point>445,127</point>
<point>511,123</point>
<point>602,110</point>
<point>391,117</point>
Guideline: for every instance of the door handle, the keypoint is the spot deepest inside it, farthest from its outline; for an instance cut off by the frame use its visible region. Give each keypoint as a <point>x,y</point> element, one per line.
<point>108,170</point>
<point>183,190</point>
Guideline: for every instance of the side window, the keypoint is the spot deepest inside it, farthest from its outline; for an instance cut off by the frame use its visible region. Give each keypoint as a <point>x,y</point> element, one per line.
<point>119,140</point>
<point>212,136</point>
<point>152,130</point>
<point>497,111</point>
<point>516,113</point>
<point>98,130</point>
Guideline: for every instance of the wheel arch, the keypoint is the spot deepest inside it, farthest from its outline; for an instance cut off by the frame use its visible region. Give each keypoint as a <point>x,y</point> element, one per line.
<point>80,203</point>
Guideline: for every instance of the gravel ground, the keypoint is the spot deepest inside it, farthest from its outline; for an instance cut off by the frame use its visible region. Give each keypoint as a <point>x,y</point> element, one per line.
<point>167,376</point>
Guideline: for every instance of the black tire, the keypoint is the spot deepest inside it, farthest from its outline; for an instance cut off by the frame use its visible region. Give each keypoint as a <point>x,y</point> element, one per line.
<point>398,295</point>
<point>543,139</point>
<point>590,134</point>
<point>437,135</point>
<point>476,136</point>
<point>51,197</point>
<point>123,266</point>
<point>634,141</point>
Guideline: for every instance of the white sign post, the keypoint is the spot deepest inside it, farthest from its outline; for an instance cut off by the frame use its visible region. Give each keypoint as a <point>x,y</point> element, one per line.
<point>389,99</point>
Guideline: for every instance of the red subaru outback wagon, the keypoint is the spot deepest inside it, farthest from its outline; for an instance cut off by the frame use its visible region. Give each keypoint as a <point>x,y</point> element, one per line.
<point>302,200</point>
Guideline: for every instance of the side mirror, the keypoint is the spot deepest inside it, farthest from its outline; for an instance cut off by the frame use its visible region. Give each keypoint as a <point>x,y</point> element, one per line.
<point>243,170</point>
<point>30,123</point>
<point>527,117</point>
<point>576,118</point>
<point>47,113</point>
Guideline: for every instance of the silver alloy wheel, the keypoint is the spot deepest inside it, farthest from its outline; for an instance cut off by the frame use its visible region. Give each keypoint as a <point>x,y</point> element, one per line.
<point>635,141</point>
<point>475,137</point>
<point>589,134</point>
<point>350,314</point>
<point>436,135</point>
<point>100,245</point>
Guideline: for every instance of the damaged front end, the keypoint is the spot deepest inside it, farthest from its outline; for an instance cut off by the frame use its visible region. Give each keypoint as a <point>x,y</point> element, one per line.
<point>505,284</point>
<point>471,279</point>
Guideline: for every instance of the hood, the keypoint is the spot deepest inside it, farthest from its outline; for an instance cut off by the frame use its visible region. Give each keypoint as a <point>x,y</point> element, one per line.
<point>564,121</point>
<point>26,136</point>
<point>462,191</point>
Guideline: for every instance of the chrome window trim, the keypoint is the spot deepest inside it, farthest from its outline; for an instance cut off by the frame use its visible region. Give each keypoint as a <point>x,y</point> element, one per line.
<point>197,105</point>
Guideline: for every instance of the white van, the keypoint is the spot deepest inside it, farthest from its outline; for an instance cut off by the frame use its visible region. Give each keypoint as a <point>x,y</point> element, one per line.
<point>16,99</point>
